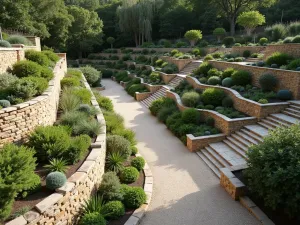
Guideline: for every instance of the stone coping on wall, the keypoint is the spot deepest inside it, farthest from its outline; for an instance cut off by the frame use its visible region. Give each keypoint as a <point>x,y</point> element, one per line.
<point>237,190</point>
<point>223,123</point>
<point>18,120</point>
<point>242,104</point>
<point>106,60</point>
<point>287,79</point>
<point>196,143</point>
<point>253,49</point>
<point>180,63</point>
<point>63,206</point>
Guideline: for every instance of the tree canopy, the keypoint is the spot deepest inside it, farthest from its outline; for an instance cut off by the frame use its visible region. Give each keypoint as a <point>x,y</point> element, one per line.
<point>250,20</point>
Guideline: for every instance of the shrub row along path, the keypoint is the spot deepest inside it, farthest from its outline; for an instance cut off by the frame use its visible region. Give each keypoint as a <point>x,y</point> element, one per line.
<point>186,192</point>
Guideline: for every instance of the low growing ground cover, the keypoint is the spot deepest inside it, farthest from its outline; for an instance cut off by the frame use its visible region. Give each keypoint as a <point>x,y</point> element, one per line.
<point>182,123</point>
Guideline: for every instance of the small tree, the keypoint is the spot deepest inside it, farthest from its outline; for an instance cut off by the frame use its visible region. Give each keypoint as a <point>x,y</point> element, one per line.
<point>111,41</point>
<point>219,32</point>
<point>193,36</point>
<point>250,20</point>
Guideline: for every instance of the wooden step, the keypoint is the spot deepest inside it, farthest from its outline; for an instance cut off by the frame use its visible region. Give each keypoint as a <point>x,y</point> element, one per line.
<point>211,165</point>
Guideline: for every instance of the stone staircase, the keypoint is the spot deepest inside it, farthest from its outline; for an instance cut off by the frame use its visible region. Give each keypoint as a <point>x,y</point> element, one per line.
<point>188,69</point>
<point>156,95</point>
<point>175,81</point>
<point>232,151</point>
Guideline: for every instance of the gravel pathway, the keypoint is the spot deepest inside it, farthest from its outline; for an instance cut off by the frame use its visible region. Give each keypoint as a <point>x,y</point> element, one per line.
<point>186,192</point>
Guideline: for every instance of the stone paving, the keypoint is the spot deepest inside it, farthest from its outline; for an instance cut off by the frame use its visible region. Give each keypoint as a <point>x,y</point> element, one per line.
<point>186,192</point>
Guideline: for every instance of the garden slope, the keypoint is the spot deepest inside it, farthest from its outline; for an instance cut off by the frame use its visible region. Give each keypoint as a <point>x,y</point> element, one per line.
<point>185,192</point>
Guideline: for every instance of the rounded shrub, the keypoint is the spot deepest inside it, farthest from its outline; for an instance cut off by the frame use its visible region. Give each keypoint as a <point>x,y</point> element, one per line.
<point>55,180</point>
<point>227,102</point>
<point>288,40</point>
<point>47,73</point>
<point>272,172</point>
<point>212,96</point>
<point>241,77</point>
<point>83,94</point>
<point>4,103</point>
<point>23,89</point>
<point>129,175</point>
<point>41,83</point>
<point>268,82</point>
<point>263,41</point>
<point>138,163</point>
<point>4,44</point>
<point>228,41</point>
<point>293,65</point>
<point>113,210</point>
<point>263,101</point>
<point>26,68</point>
<point>91,74</point>
<point>37,57</point>
<point>191,116</point>
<point>246,53</point>
<point>214,72</point>
<point>203,68</point>
<point>284,95</point>
<point>164,113</point>
<point>110,187</point>
<point>51,55</point>
<point>70,82</point>
<point>134,197</point>
<point>190,99</point>
<point>214,80</point>
<point>227,82</point>
<point>6,80</point>
<point>275,66</point>
<point>296,39</point>
<point>18,39</point>
<point>116,143</point>
<point>203,80</point>
<point>94,218</point>
<point>208,57</point>
<point>278,58</point>
<point>210,121</point>
<point>228,72</point>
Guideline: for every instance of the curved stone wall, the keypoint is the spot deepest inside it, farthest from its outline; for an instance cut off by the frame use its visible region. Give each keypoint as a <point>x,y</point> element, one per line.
<point>19,120</point>
<point>63,207</point>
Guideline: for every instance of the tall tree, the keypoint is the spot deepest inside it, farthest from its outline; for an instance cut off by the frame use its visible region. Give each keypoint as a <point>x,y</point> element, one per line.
<point>86,30</point>
<point>87,4</point>
<point>232,8</point>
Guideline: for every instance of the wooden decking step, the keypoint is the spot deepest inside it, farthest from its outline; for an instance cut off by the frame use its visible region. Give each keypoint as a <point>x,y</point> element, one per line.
<point>213,167</point>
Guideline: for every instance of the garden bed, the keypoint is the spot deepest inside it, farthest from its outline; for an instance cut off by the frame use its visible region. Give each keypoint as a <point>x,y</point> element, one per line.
<point>277,216</point>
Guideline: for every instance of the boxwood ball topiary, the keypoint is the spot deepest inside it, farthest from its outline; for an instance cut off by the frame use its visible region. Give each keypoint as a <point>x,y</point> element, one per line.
<point>113,210</point>
<point>26,68</point>
<point>37,57</point>
<point>212,96</point>
<point>116,143</point>
<point>134,197</point>
<point>191,116</point>
<point>210,121</point>
<point>129,174</point>
<point>55,180</point>
<point>241,77</point>
<point>94,218</point>
<point>138,163</point>
<point>227,102</point>
<point>284,95</point>
<point>5,44</point>
<point>214,80</point>
<point>190,99</point>
<point>4,103</point>
<point>268,82</point>
<point>227,82</point>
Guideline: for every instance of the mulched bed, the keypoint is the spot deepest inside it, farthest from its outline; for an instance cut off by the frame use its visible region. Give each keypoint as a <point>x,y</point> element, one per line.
<point>277,216</point>
<point>31,200</point>
<point>138,183</point>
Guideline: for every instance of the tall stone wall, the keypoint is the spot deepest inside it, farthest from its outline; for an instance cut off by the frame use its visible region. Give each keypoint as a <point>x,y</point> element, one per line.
<point>19,120</point>
<point>290,49</point>
<point>64,206</point>
<point>9,56</point>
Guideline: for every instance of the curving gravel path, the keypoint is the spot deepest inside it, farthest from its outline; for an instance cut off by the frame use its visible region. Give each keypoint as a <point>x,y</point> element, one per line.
<point>186,192</point>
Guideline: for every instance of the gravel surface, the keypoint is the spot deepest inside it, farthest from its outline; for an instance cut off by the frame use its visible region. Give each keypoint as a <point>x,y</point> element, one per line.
<point>186,191</point>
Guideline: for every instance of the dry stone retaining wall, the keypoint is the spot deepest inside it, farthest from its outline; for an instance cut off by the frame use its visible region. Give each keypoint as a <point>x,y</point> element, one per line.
<point>63,207</point>
<point>287,79</point>
<point>252,49</point>
<point>9,56</point>
<point>17,121</point>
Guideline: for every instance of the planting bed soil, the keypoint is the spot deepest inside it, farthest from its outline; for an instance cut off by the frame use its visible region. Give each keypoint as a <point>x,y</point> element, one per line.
<point>277,216</point>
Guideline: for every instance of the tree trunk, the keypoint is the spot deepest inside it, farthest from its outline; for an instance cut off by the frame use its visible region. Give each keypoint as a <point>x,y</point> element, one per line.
<point>232,26</point>
<point>136,40</point>
<point>219,39</point>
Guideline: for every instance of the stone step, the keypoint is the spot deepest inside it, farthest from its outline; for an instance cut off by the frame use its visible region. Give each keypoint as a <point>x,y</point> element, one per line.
<point>237,144</point>
<point>257,130</point>
<point>241,140</point>
<point>275,122</point>
<point>285,118</point>
<point>252,136</point>
<point>288,113</point>
<point>211,165</point>
<point>266,125</point>
<point>238,150</point>
<point>293,110</point>
<point>228,154</point>
<point>295,103</point>
<point>297,107</point>
<point>217,157</point>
